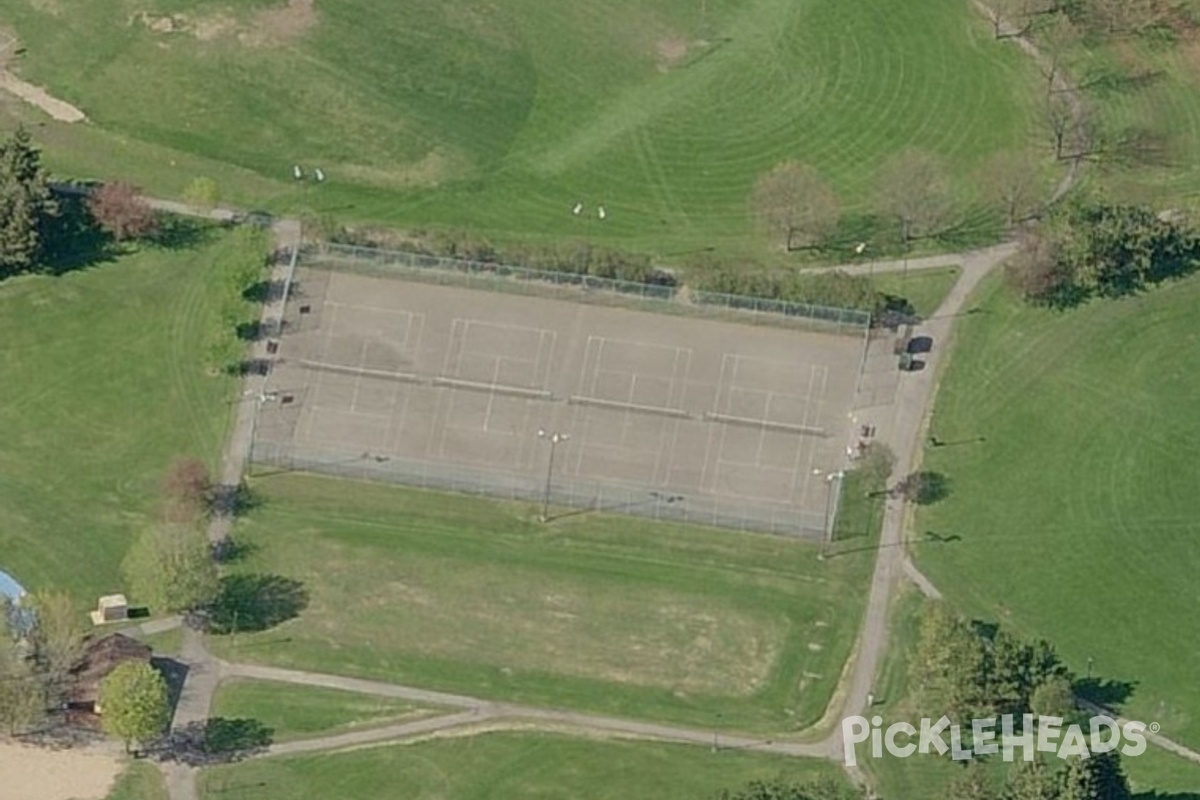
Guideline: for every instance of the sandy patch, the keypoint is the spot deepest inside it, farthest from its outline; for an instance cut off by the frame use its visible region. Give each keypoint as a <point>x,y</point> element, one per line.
<point>35,95</point>
<point>670,51</point>
<point>272,26</point>
<point>32,773</point>
<point>281,24</point>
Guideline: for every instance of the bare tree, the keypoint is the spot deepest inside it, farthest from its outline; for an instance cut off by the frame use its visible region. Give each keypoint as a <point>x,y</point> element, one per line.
<point>795,205</point>
<point>914,191</point>
<point>1011,181</point>
<point>1010,18</point>
<point>1037,272</point>
<point>57,639</point>
<point>187,488</point>
<point>120,210</point>
<point>1059,116</point>
<point>1057,40</point>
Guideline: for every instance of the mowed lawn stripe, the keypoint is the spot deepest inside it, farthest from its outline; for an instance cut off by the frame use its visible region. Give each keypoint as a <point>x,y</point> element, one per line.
<point>609,614</point>
<point>104,382</point>
<point>502,117</point>
<point>1078,511</point>
<point>506,765</point>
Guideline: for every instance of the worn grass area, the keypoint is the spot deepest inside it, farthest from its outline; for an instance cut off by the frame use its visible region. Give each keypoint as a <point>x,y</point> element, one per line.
<point>104,382</point>
<point>297,712</point>
<point>1077,512</point>
<point>613,614</point>
<point>141,780</point>
<point>925,288</point>
<point>508,765</point>
<point>430,113</point>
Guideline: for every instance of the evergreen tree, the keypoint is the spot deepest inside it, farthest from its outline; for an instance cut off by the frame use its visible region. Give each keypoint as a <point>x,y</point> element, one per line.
<point>1099,777</point>
<point>26,205</point>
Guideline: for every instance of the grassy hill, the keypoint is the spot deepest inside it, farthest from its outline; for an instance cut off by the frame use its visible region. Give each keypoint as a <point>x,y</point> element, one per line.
<point>500,117</point>
<point>1070,452</point>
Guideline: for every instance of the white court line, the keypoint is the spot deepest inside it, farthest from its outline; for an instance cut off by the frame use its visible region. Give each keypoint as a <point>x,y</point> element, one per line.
<point>396,423</point>
<point>712,428</point>
<point>316,387</point>
<point>812,451</point>
<point>677,402</point>
<point>487,414</point>
<point>725,428</point>
<point>362,364</point>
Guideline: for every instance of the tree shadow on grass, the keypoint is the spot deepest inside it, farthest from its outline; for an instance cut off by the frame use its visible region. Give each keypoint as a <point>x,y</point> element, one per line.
<point>73,240</point>
<point>219,740</point>
<point>174,232</point>
<point>1104,692</point>
<point>255,602</point>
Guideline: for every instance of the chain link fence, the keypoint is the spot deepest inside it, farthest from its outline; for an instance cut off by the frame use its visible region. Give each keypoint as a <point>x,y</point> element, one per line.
<point>577,287</point>
<point>567,496</point>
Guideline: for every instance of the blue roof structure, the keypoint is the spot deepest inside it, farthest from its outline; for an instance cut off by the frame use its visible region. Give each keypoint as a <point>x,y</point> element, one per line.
<point>20,619</point>
<point>10,588</point>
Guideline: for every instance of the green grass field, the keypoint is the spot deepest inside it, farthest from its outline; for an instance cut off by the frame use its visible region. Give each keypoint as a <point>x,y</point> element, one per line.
<point>610,614</point>
<point>140,781</point>
<point>925,288</point>
<point>1078,514</point>
<point>434,113</point>
<point>299,712</point>
<point>507,765</point>
<point>104,382</point>
<point>1154,775</point>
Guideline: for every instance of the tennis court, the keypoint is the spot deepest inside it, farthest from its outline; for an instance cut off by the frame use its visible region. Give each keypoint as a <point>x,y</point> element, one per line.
<point>717,420</point>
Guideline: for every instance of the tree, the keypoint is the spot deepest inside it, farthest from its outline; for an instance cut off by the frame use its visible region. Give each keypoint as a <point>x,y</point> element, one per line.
<point>1057,40</point>
<point>781,789</point>
<point>118,208</point>
<point>923,488</point>
<point>915,192</point>
<point>1011,179</point>
<point>202,193</point>
<point>1059,115</point>
<point>26,205</point>
<point>133,703</point>
<point>795,204</point>
<point>1010,18</point>
<point>57,640</point>
<point>876,465</point>
<point>1038,273</point>
<point>949,668</point>
<point>187,488</point>
<point>1030,780</point>
<point>970,784</point>
<point>1053,697</point>
<point>170,567</point>
<point>22,703</point>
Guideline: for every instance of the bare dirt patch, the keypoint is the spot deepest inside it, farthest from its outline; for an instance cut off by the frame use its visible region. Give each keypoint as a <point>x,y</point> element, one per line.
<point>36,95</point>
<point>281,24</point>
<point>272,26</point>
<point>32,773</point>
<point>670,52</point>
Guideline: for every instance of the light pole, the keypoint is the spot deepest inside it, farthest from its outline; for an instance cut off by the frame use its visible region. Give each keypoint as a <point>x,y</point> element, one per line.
<point>827,534</point>
<point>716,732</point>
<point>554,439</point>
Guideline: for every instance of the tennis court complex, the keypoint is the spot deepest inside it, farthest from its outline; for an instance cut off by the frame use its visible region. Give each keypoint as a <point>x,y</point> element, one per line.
<point>667,415</point>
